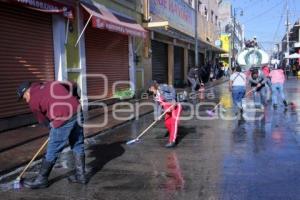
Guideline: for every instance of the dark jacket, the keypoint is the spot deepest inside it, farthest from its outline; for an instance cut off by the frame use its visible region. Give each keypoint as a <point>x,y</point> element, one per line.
<point>52,102</point>
<point>193,73</point>
<point>261,79</point>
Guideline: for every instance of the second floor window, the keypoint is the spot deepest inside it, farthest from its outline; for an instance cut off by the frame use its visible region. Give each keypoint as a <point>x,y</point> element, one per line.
<point>205,12</point>
<point>200,7</point>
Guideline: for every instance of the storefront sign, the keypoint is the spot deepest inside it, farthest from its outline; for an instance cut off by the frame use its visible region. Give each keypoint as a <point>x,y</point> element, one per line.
<point>225,42</point>
<point>46,6</point>
<point>179,14</point>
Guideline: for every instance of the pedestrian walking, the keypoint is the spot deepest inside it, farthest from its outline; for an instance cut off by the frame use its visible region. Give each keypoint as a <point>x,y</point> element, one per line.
<point>53,106</point>
<point>257,81</point>
<point>277,80</point>
<point>237,85</point>
<point>193,78</point>
<point>165,95</point>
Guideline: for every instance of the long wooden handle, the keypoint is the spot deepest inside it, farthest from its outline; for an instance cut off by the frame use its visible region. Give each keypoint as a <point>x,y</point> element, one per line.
<point>245,96</point>
<point>34,157</point>
<point>153,123</point>
<point>250,92</point>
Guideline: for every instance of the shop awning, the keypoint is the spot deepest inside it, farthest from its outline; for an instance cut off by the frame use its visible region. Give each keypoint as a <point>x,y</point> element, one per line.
<point>103,18</point>
<point>47,6</point>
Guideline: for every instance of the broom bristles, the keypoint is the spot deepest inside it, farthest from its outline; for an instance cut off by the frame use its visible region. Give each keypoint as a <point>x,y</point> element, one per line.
<point>131,141</point>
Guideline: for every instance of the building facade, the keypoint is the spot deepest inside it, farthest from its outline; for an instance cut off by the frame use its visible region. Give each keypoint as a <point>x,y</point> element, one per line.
<point>294,43</point>
<point>103,45</point>
<point>95,43</point>
<point>230,26</point>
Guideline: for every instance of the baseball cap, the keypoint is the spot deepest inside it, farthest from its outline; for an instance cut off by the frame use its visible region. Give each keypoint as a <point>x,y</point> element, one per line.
<point>22,89</point>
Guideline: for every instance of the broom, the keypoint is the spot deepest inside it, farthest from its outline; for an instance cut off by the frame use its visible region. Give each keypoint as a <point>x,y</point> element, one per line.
<point>19,178</point>
<point>211,113</point>
<point>153,123</point>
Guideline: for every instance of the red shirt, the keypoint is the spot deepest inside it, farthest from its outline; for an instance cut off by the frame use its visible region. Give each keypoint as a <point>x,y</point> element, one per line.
<point>51,101</point>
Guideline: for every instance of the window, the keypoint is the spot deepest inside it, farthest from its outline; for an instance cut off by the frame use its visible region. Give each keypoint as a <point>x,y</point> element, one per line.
<point>200,7</point>
<point>216,20</point>
<point>212,16</point>
<point>205,13</point>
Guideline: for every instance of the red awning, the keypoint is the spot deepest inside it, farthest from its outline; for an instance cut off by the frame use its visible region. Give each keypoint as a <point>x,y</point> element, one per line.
<point>103,18</point>
<point>47,6</point>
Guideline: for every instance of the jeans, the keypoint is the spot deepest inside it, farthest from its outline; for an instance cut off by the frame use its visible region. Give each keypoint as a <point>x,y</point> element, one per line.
<point>194,83</point>
<point>238,93</point>
<point>70,132</point>
<point>277,88</point>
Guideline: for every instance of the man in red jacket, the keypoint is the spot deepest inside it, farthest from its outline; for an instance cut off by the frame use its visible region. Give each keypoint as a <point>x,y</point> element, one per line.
<point>53,105</point>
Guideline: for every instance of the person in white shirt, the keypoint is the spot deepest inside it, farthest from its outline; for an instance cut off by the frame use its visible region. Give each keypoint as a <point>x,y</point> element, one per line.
<point>237,85</point>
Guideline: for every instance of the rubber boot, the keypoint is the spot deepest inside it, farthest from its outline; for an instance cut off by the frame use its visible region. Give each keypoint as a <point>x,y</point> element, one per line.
<point>79,176</point>
<point>285,103</point>
<point>41,181</point>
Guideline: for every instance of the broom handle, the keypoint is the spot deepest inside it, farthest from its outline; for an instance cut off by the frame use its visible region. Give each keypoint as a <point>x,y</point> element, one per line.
<point>34,157</point>
<point>245,96</point>
<point>250,92</point>
<point>155,122</point>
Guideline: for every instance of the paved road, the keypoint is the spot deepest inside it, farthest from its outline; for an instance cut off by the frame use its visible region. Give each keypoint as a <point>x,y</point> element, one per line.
<point>215,159</point>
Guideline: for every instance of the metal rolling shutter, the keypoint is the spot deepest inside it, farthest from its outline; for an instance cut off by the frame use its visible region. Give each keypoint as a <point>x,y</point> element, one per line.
<point>201,60</point>
<point>178,66</point>
<point>26,53</point>
<point>191,61</point>
<point>159,61</point>
<point>107,54</point>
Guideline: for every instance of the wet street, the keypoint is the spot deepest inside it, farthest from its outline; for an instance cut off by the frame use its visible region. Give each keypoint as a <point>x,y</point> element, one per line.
<point>216,158</point>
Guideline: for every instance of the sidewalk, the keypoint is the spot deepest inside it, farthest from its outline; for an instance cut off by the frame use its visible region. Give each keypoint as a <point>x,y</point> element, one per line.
<point>18,146</point>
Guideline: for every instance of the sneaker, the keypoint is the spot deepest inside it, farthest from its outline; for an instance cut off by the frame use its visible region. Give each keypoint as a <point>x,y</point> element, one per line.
<point>285,103</point>
<point>275,106</point>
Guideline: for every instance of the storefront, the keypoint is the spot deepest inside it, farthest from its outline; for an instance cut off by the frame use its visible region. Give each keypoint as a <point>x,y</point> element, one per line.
<point>27,48</point>
<point>178,66</point>
<point>170,57</point>
<point>108,50</point>
<point>159,61</point>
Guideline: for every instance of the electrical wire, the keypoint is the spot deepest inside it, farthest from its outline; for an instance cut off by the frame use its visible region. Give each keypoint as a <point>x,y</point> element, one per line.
<point>264,12</point>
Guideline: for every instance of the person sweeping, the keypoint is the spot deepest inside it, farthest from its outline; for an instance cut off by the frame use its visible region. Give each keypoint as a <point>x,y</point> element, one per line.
<point>258,81</point>
<point>237,85</point>
<point>278,80</point>
<point>53,106</point>
<point>193,78</point>
<point>165,95</point>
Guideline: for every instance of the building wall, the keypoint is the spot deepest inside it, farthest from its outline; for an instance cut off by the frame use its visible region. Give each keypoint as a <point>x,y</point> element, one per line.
<point>208,25</point>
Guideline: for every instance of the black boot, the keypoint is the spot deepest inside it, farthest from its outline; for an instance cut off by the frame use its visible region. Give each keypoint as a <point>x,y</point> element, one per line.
<point>79,176</point>
<point>41,181</point>
<point>171,145</point>
<point>285,103</point>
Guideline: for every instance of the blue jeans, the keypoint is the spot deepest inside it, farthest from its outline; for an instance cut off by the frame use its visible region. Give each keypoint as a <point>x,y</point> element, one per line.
<point>258,96</point>
<point>70,132</point>
<point>277,88</point>
<point>238,93</point>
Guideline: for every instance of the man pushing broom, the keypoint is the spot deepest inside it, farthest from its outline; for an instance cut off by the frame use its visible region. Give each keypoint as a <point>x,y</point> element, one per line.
<point>54,105</point>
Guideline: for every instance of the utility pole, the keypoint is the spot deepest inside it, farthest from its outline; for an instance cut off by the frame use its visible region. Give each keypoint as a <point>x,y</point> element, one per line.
<point>287,35</point>
<point>196,34</point>
<point>231,57</point>
<point>233,45</point>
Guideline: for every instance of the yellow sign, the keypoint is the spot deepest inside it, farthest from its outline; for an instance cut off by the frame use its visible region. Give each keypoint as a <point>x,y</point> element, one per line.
<point>225,39</point>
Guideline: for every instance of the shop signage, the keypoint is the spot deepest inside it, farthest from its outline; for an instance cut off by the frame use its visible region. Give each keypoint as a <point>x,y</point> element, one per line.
<point>179,14</point>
